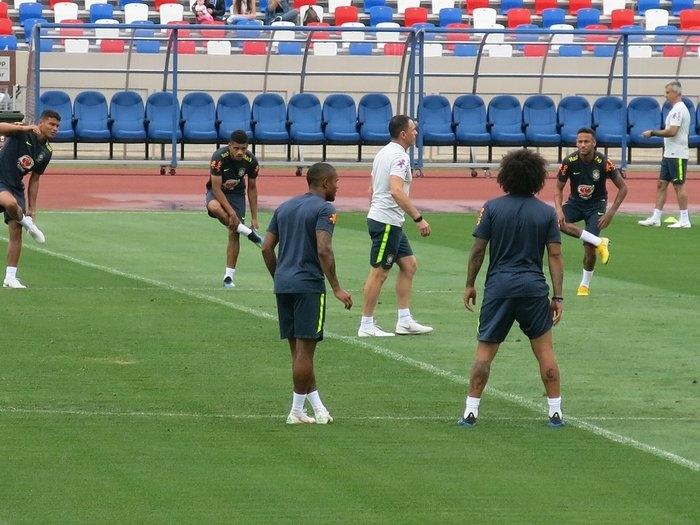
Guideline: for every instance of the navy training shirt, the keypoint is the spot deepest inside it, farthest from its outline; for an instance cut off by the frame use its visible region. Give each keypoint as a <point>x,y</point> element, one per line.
<point>517,228</point>
<point>232,171</point>
<point>295,223</point>
<point>23,153</point>
<point>587,178</point>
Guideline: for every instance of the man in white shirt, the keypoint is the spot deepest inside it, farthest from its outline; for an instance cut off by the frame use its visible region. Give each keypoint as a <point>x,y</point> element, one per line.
<point>675,160</point>
<point>391,183</point>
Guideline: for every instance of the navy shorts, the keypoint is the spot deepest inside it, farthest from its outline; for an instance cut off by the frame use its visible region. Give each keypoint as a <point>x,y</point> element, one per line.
<point>590,213</point>
<point>236,201</point>
<point>301,315</point>
<point>389,243</point>
<point>673,170</point>
<point>497,316</point>
<point>19,197</point>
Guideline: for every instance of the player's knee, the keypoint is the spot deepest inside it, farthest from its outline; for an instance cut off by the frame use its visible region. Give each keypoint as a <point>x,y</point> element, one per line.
<point>409,266</point>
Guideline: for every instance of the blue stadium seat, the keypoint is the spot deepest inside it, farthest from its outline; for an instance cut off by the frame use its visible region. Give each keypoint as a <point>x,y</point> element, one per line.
<point>665,35</point>
<point>573,113</point>
<point>91,117</point>
<point>507,5</point>
<point>427,26</point>
<point>435,121</point>
<point>369,4</point>
<point>570,50</point>
<point>604,51</point>
<point>9,43</point>
<point>644,5</point>
<point>361,48</point>
<point>233,113</point>
<point>450,15</point>
<point>540,121</point>
<point>198,115</point>
<point>289,48</point>
<point>469,117</point>
<point>101,11</point>
<point>247,29</point>
<point>609,121</point>
<point>523,37</point>
<point>466,50</point>
<point>59,101</point>
<point>161,107</point>
<point>379,14</point>
<point>587,17</point>
<point>505,121</point>
<point>373,114</point>
<point>122,3</point>
<point>146,46</point>
<point>635,33</point>
<point>269,114</point>
<point>28,26</point>
<point>340,120</point>
<point>644,113</point>
<point>693,138</point>
<point>553,15</point>
<point>304,116</point>
<point>126,112</point>
<point>30,10</point>
<point>680,5</point>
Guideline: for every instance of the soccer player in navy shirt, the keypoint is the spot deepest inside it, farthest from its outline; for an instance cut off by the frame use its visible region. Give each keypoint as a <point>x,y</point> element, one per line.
<point>588,171</point>
<point>26,152</point>
<point>303,228</point>
<point>517,228</point>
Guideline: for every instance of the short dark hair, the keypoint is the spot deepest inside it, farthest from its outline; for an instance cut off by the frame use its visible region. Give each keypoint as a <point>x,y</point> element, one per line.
<point>587,130</point>
<point>522,172</point>
<point>49,113</point>
<point>239,137</point>
<point>319,172</point>
<point>397,124</point>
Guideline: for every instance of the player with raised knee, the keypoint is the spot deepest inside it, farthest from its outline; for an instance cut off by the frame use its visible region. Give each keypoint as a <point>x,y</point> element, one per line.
<point>226,192</point>
<point>587,172</point>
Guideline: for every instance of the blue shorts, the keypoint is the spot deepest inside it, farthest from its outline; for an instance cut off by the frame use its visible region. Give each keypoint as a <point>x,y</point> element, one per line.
<point>389,244</point>
<point>236,201</point>
<point>497,316</point>
<point>301,315</point>
<point>673,170</point>
<point>590,213</point>
<point>19,197</point>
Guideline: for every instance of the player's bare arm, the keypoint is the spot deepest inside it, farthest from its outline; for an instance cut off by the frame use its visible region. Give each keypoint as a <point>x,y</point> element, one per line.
<point>216,182</point>
<point>621,185</point>
<point>404,201</point>
<point>253,201</point>
<point>476,259</point>
<point>670,131</point>
<point>327,260</point>
<point>268,252</point>
<point>7,128</point>
<point>556,272</point>
<point>32,193</point>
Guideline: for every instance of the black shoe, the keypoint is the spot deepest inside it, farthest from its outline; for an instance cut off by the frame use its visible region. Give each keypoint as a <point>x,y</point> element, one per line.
<point>254,237</point>
<point>228,282</point>
<point>468,421</point>
<point>556,421</point>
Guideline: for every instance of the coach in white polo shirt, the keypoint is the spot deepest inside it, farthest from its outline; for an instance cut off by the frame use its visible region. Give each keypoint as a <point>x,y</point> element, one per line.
<point>674,164</point>
<point>391,183</point>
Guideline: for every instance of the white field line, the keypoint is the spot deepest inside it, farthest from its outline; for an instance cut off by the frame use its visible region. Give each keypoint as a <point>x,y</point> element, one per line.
<point>385,352</point>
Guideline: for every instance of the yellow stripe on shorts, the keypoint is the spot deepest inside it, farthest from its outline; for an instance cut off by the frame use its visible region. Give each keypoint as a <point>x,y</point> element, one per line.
<point>321,312</point>
<point>385,239</point>
<point>680,170</point>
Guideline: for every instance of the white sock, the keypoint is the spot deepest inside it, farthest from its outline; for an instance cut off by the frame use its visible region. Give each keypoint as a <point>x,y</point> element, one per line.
<point>404,314</point>
<point>230,272</point>
<point>656,215</point>
<point>590,238</point>
<point>586,279</point>
<point>316,402</point>
<point>684,216</point>
<point>11,272</point>
<point>242,228</point>
<point>367,322</point>
<point>554,406</point>
<point>472,406</point>
<point>26,221</point>
<point>298,402</point>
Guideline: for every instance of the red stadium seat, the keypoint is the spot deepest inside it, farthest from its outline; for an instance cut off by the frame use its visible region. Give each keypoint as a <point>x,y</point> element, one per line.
<point>186,47</point>
<point>345,14</point>
<point>112,46</point>
<point>476,4</point>
<point>394,48</point>
<point>320,35</point>
<point>517,16</point>
<point>541,5</point>
<point>71,31</point>
<point>3,10</point>
<point>300,3</point>
<point>5,26</point>
<point>158,3</point>
<point>575,5</point>
<point>596,39</point>
<point>52,3</point>
<point>254,48</point>
<point>672,51</point>
<point>455,38</point>
<point>535,50</point>
<point>690,18</point>
<point>415,15</point>
<point>211,34</point>
<point>621,17</point>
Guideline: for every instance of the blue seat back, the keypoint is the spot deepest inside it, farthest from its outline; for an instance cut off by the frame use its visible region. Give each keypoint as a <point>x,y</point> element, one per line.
<point>587,17</point>
<point>28,25</point>
<point>60,102</point>
<point>607,115</point>
<point>9,43</point>
<point>269,112</point>
<point>101,11</point>
<point>361,48</point>
<point>30,10</point>
<point>90,110</point>
<point>340,114</point>
<point>643,113</point>
<point>435,115</point>
<point>304,113</point>
<point>198,111</point>
<point>127,111</point>
<point>374,113</point>
<point>570,50</point>
<point>450,15</point>
<point>645,5</point>
<point>160,109</point>
<point>289,48</point>
<point>146,46</point>
<point>369,4</point>
<point>507,5</point>
<point>246,28</point>
<point>573,113</point>
<point>505,114</point>
<point>540,114</point>
<point>233,112</point>
<point>469,112</point>
<point>466,50</point>
<point>553,15</point>
<point>680,5</point>
<point>380,14</point>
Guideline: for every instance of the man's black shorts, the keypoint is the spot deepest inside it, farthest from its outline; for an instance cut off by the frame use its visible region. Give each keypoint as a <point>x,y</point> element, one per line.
<point>673,170</point>
<point>19,197</point>
<point>497,316</point>
<point>301,315</point>
<point>389,243</point>
<point>589,212</point>
<point>236,201</point>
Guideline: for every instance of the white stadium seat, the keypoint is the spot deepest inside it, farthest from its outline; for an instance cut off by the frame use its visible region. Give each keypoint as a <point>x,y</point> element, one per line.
<point>352,36</point>
<point>654,18</point>
<point>106,32</point>
<point>171,13</point>
<point>135,12</point>
<point>325,49</point>
<point>218,47</point>
<point>332,4</point>
<point>610,5</point>
<point>436,5</point>
<point>77,45</point>
<point>402,5</point>
<point>65,11</point>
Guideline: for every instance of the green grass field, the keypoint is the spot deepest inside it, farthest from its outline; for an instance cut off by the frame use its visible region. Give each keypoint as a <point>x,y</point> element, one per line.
<point>134,389</point>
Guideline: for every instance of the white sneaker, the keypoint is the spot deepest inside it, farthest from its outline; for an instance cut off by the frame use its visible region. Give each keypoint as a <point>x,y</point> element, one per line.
<point>323,418</point>
<point>679,224</point>
<point>412,328</point>
<point>651,221</point>
<point>375,331</point>
<point>299,418</point>
<point>35,232</point>
<point>12,283</point>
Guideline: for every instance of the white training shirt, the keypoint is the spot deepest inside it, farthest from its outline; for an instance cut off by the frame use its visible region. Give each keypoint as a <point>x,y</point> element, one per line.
<point>677,147</point>
<point>392,159</point>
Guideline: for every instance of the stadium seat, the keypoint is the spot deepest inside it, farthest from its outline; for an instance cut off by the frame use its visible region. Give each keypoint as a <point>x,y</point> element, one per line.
<point>677,6</point>
<point>340,120</point>
<point>111,46</point>
<point>254,48</point>
<point>76,45</point>
<point>135,12</point>
<point>213,34</point>
<point>124,3</point>
<point>198,117</point>
<point>298,4</point>
<point>3,10</point>
<point>100,12</point>
<point>570,50</point>
<point>573,113</point>
<point>233,113</point>
<point>507,5</point>
<point>522,36</point>
<point>470,124</point>
<point>558,39</point>
<point>604,51</point>
<point>611,5</point>
<point>535,50</point>
<point>171,13</point>
<point>345,14</point>
<point>325,49</point>
<point>161,108</point>
<point>455,37</point>
<point>540,121</point>
<point>693,138</point>
<point>369,4</point>
<point>361,48</point>
<point>640,51</point>
<point>30,10</point>
<point>472,5</point>
<point>435,121</point>
<point>126,113</point>
<point>644,5</point>
<point>644,113</point>
<point>91,117</point>
<point>575,5</point>
<point>394,48</point>
<point>9,43</point>
<point>541,5</point>
<point>269,119</point>
<point>333,5</point>
<point>322,34</point>
<point>484,17</point>
<point>466,50</point>
<point>352,36</point>
<point>387,36</point>
<point>246,29</point>
<point>654,18</point>
<point>621,17</point>
<point>402,5</point>
<point>289,48</point>
<point>689,18</point>
<point>380,14</point>
<point>146,46</point>
<point>219,47</point>
<point>553,16</point>
<point>665,35</point>
<point>516,17</point>
<point>28,26</point>
<point>505,121</point>
<point>587,17</point>
<point>449,16</point>
<point>609,121</point>
<point>373,114</point>
<point>304,116</point>
<point>65,11</point>
<point>106,29</point>
<point>415,15</point>
<point>60,102</point>
<point>596,38</point>
<point>438,5</point>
